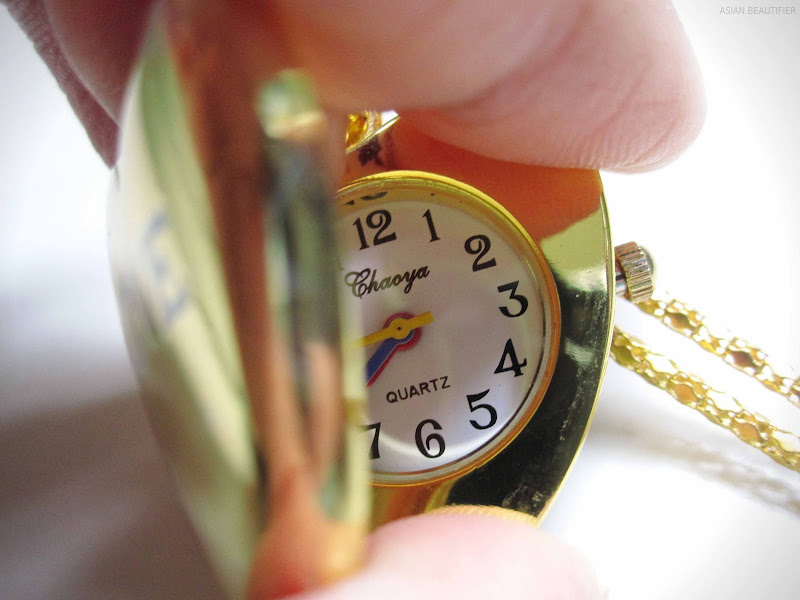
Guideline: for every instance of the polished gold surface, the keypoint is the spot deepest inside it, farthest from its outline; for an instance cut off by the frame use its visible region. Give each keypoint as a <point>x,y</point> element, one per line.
<point>360,126</point>
<point>718,407</point>
<point>564,212</point>
<point>735,351</point>
<point>286,464</point>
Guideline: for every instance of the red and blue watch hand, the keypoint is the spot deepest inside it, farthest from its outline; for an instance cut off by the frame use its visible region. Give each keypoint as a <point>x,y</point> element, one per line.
<point>380,358</point>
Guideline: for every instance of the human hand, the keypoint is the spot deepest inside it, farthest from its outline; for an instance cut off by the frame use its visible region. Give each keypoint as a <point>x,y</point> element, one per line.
<point>465,554</point>
<point>566,84</point>
<point>580,84</point>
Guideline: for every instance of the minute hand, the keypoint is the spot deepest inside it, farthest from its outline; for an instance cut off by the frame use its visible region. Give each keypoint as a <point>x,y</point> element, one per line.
<point>398,329</point>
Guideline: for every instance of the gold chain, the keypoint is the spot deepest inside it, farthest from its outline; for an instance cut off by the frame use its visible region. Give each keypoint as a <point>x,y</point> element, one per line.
<point>718,407</point>
<point>735,351</point>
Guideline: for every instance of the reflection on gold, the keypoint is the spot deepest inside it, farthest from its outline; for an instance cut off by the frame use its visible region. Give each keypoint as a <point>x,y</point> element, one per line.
<point>392,503</point>
<point>255,442</point>
<point>325,418</point>
<point>545,200</point>
<point>359,126</point>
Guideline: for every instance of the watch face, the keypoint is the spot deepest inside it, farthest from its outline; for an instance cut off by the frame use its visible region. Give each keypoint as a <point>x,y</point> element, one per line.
<point>460,317</point>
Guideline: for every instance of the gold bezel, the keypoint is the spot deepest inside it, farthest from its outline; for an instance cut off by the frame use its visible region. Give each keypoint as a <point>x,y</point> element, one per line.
<point>450,192</point>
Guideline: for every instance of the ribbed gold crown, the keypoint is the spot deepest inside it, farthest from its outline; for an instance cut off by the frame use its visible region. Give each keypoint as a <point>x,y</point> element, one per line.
<point>635,272</point>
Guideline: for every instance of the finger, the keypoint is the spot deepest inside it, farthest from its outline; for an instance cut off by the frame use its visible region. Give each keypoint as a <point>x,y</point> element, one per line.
<point>587,83</point>
<point>100,40</point>
<point>465,556</point>
<point>101,127</point>
<point>608,84</point>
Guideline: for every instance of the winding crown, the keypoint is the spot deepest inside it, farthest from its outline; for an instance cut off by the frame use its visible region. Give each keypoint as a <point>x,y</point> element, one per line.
<point>635,272</point>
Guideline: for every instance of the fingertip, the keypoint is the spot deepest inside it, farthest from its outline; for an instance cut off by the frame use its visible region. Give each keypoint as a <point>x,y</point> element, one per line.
<point>622,91</point>
<point>466,555</point>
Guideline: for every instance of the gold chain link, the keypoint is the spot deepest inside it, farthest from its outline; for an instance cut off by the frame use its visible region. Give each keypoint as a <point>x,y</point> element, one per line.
<point>735,351</point>
<point>718,407</point>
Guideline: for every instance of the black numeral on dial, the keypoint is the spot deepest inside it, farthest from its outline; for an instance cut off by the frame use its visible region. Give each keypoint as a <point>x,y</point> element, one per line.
<point>380,221</point>
<point>510,355</point>
<point>431,226</point>
<point>474,406</point>
<point>523,301</point>
<point>374,449</point>
<point>432,446</point>
<point>479,245</point>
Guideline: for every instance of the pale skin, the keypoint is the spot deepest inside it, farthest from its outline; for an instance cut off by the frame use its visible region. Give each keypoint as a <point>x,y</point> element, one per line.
<point>606,84</point>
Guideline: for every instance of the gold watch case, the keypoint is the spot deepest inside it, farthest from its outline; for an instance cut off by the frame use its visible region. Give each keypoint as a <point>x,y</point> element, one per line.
<point>564,213</point>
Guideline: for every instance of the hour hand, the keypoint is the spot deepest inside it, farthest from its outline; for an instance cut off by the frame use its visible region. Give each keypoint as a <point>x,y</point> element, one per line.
<point>381,356</point>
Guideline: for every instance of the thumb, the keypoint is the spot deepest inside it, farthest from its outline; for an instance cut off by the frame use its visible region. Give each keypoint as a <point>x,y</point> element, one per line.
<point>466,553</point>
<point>588,84</point>
<point>583,83</point>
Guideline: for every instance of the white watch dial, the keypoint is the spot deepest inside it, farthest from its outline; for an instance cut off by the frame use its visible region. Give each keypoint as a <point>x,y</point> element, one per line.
<point>459,312</point>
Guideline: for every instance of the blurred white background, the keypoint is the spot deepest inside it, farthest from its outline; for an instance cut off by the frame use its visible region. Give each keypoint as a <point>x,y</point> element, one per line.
<point>664,505</point>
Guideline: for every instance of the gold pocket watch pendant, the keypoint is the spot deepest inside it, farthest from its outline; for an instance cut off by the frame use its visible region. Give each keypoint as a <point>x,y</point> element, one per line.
<point>486,290</point>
